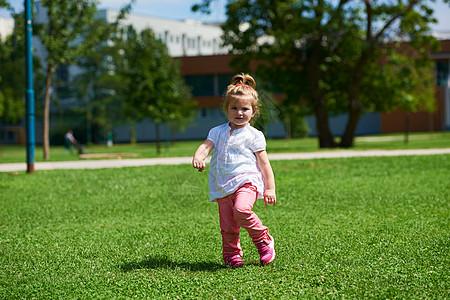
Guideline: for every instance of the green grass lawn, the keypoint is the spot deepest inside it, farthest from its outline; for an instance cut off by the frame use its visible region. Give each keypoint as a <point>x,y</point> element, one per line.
<point>14,153</point>
<point>344,228</point>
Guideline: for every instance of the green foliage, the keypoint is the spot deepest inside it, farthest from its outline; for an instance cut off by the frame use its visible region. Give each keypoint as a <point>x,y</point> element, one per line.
<point>202,7</point>
<point>297,123</point>
<point>416,84</point>
<point>11,110</point>
<point>150,232</point>
<point>327,54</point>
<point>4,3</point>
<point>98,84</point>
<point>155,87</point>
<point>12,73</point>
<point>64,34</point>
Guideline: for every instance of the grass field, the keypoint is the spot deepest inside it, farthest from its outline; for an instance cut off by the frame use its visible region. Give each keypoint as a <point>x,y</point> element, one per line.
<point>10,153</point>
<point>344,228</point>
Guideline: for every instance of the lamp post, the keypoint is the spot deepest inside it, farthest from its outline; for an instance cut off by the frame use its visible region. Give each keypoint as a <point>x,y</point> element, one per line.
<point>29,89</point>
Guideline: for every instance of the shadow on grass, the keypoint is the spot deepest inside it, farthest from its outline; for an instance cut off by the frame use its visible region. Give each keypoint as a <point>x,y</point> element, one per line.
<point>164,263</point>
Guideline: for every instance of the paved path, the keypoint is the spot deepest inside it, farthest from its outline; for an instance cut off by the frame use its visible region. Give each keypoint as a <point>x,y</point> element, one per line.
<point>119,163</point>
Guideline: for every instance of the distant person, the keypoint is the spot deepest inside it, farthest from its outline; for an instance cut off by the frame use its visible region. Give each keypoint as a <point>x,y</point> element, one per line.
<point>69,142</point>
<point>240,172</point>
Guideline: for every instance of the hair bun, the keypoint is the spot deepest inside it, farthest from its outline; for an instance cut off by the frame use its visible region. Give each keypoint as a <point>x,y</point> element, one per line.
<point>243,79</point>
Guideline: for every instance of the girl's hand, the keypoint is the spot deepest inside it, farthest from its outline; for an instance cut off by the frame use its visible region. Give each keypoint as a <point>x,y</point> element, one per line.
<point>198,161</point>
<point>198,164</point>
<point>264,165</point>
<point>270,197</point>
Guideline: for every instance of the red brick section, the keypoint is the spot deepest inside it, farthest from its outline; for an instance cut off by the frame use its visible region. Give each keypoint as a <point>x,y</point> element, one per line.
<point>209,101</point>
<point>445,46</point>
<point>206,65</point>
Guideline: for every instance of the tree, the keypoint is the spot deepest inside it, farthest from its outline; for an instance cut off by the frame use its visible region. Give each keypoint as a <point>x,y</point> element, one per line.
<point>12,73</point>
<point>66,35</point>
<point>62,36</point>
<point>10,108</point>
<point>98,88</point>
<point>155,88</point>
<point>99,83</point>
<point>416,81</point>
<point>325,55</point>
<point>4,3</point>
<point>12,87</point>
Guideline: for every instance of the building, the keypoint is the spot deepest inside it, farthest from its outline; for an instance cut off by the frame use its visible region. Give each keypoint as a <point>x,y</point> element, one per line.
<point>208,72</point>
<point>6,27</point>
<point>205,67</point>
<point>182,38</point>
<point>214,72</point>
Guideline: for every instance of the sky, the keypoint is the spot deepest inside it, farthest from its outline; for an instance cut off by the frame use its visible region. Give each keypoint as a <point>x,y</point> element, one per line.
<point>181,9</point>
<point>170,9</point>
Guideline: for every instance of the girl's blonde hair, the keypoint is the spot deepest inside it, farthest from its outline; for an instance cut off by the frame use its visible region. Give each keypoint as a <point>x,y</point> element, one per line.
<point>242,86</point>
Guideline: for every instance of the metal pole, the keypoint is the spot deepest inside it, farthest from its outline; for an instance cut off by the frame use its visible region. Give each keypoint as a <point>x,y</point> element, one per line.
<point>29,92</point>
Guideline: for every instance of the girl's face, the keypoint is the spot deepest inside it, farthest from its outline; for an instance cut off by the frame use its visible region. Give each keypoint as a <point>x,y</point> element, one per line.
<point>240,112</point>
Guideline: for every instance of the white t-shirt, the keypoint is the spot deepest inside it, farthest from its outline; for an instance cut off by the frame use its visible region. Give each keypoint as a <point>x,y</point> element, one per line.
<point>233,162</point>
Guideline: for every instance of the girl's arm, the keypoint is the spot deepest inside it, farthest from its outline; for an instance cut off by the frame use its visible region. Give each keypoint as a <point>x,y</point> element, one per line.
<point>198,161</point>
<point>269,180</point>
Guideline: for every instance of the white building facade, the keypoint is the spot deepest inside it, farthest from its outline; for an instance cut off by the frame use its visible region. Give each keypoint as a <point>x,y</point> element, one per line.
<point>182,38</point>
<point>6,27</point>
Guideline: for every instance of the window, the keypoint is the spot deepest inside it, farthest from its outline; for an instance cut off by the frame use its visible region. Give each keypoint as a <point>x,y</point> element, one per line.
<point>441,72</point>
<point>202,85</point>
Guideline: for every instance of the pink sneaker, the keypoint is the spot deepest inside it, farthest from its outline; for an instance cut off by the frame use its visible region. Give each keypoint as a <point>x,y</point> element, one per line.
<point>234,261</point>
<point>266,251</point>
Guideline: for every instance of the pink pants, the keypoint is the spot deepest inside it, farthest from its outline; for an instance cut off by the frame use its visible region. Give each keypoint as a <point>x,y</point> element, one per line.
<point>235,211</point>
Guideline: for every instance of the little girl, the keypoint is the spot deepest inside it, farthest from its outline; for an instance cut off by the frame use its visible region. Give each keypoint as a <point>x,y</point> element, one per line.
<point>240,172</point>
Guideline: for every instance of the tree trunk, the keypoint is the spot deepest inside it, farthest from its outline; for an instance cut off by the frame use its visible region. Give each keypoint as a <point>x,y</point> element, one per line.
<point>46,125</point>
<point>355,106</point>
<point>158,139</point>
<point>326,138</point>
<point>315,76</point>
<point>353,119</point>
